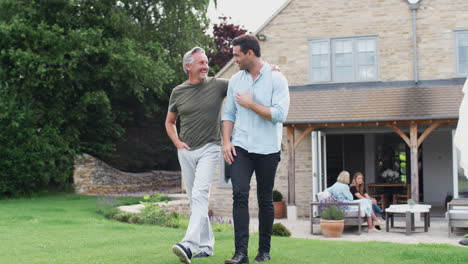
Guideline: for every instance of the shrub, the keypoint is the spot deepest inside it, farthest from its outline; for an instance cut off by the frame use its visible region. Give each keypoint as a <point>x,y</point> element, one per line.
<point>219,223</point>
<point>280,230</point>
<point>333,212</point>
<point>151,214</point>
<point>277,196</point>
<point>156,198</point>
<point>32,156</point>
<point>107,206</point>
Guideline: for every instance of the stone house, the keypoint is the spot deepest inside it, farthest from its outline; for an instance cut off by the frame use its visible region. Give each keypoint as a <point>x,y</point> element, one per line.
<point>375,87</point>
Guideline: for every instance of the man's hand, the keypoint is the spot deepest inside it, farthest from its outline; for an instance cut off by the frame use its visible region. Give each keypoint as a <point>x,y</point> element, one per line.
<point>229,151</point>
<point>182,145</point>
<point>275,68</point>
<point>246,100</point>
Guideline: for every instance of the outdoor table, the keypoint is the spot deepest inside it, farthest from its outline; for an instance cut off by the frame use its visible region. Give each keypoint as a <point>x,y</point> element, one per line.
<point>408,211</point>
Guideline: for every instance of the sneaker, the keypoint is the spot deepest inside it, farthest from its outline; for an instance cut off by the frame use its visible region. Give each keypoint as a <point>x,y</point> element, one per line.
<point>202,254</point>
<point>262,257</point>
<point>184,254</point>
<point>373,230</point>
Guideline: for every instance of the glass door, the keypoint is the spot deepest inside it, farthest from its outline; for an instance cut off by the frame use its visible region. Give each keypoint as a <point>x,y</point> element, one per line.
<point>319,162</point>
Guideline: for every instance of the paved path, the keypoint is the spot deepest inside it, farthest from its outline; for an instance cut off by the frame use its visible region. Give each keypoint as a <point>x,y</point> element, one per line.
<point>438,232</point>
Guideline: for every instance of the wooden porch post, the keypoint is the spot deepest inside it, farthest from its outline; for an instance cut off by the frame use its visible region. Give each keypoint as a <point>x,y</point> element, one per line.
<point>414,142</point>
<point>291,167</point>
<point>414,162</point>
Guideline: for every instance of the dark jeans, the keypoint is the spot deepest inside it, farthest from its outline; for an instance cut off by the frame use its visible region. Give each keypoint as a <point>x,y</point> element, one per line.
<point>241,171</point>
<point>376,209</point>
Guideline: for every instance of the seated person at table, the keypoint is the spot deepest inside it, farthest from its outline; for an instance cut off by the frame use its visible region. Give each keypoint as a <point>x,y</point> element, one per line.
<point>340,191</point>
<point>359,191</point>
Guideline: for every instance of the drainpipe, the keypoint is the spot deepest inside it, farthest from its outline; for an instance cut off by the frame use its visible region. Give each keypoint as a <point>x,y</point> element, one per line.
<point>413,5</point>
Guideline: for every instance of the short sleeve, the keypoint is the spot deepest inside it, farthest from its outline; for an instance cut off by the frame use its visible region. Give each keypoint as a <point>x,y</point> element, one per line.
<point>223,84</point>
<point>172,104</point>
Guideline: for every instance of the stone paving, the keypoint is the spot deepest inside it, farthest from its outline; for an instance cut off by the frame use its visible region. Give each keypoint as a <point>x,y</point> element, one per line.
<point>438,232</point>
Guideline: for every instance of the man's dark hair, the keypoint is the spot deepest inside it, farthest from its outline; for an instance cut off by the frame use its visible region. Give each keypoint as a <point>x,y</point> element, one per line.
<point>248,42</point>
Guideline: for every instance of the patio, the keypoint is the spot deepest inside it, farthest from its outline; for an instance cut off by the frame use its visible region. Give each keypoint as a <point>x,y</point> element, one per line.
<point>437,232</point>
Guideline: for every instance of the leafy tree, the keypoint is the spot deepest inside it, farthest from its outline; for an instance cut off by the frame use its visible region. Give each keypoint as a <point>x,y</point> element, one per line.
<point>223,33</point>
<point>75,73</point>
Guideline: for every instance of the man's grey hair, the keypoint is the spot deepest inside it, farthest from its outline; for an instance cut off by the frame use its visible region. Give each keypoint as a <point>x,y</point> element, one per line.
<point>188,57</point>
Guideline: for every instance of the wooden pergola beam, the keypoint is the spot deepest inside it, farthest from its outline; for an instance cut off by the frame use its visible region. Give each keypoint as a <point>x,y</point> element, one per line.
<point>303,135</point>
<point>400,133</point>
<point>427,132</point>
<point>374,123</point>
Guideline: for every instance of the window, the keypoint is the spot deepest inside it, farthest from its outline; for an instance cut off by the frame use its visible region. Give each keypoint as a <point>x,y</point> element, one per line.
<point>343,59</point>
<point>462,52</point>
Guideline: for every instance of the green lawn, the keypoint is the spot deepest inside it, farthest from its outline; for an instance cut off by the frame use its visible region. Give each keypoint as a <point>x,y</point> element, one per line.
<point>65,228</point>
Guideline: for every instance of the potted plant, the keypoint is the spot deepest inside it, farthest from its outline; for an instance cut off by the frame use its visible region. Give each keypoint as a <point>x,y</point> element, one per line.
<point>279,205</point>
<point>332,220</point>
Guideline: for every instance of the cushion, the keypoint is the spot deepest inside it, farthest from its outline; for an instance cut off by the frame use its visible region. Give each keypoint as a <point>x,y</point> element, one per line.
<point>458,214</point>
<point>458,207</point>
<point>322,196</point>
<point>352,211</point>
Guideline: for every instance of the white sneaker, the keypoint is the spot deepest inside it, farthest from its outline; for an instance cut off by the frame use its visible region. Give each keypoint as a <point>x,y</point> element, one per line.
<point>373,230</point>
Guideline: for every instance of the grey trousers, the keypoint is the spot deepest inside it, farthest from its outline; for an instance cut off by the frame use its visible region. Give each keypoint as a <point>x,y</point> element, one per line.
<point>198,167</point>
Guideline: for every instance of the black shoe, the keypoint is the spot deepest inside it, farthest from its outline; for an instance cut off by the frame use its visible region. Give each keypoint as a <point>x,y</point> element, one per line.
<point>377,227</point>
<point>202,254</point>
<point>184,254</point>
<point>238,258</point>
<point>262,257</point>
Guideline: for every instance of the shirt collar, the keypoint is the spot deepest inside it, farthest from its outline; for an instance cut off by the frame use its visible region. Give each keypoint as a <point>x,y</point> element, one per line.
<point>264,68</point>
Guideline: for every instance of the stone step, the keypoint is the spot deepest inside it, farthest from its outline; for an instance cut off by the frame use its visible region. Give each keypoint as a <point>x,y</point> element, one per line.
<point>179,204</point>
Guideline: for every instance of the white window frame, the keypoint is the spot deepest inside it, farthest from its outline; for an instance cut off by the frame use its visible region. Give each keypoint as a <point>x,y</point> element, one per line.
<point>311,42</point>
<point>332,64</point>
<point>457,57</point>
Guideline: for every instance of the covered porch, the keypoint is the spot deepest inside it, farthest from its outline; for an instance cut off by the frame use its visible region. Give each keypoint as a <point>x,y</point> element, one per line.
<point>410,112</point>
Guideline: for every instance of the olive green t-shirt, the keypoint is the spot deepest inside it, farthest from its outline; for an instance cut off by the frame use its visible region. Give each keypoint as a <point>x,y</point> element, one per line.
<point>198,107</point>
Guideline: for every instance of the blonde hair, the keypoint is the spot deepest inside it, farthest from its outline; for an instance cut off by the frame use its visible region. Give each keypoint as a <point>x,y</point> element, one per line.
<point>343,177</point>
<point>359,187</point>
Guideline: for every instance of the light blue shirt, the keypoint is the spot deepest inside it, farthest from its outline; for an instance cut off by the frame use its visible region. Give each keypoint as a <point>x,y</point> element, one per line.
<point>341,192</point>
<point>252,132</point>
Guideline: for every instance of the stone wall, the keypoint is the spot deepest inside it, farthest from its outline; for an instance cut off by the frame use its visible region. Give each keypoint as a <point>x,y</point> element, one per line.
<point>94,177</point>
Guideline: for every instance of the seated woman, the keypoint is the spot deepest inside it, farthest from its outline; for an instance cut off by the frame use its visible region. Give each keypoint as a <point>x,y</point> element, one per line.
<point>359,192</point>
<point>340,191</point>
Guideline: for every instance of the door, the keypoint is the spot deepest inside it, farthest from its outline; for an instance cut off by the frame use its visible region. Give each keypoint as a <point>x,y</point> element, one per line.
<point>319,162</point>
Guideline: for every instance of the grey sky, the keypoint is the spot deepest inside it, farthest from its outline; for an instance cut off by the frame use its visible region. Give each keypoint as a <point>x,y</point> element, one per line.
<point>248,13</point>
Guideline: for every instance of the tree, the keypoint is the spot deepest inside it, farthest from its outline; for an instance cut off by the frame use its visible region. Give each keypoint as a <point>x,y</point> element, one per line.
<point>223,33</point>
<point>79,71</point>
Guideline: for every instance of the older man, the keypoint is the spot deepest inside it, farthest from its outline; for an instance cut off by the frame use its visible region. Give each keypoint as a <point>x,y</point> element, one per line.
<point>197,102</point>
